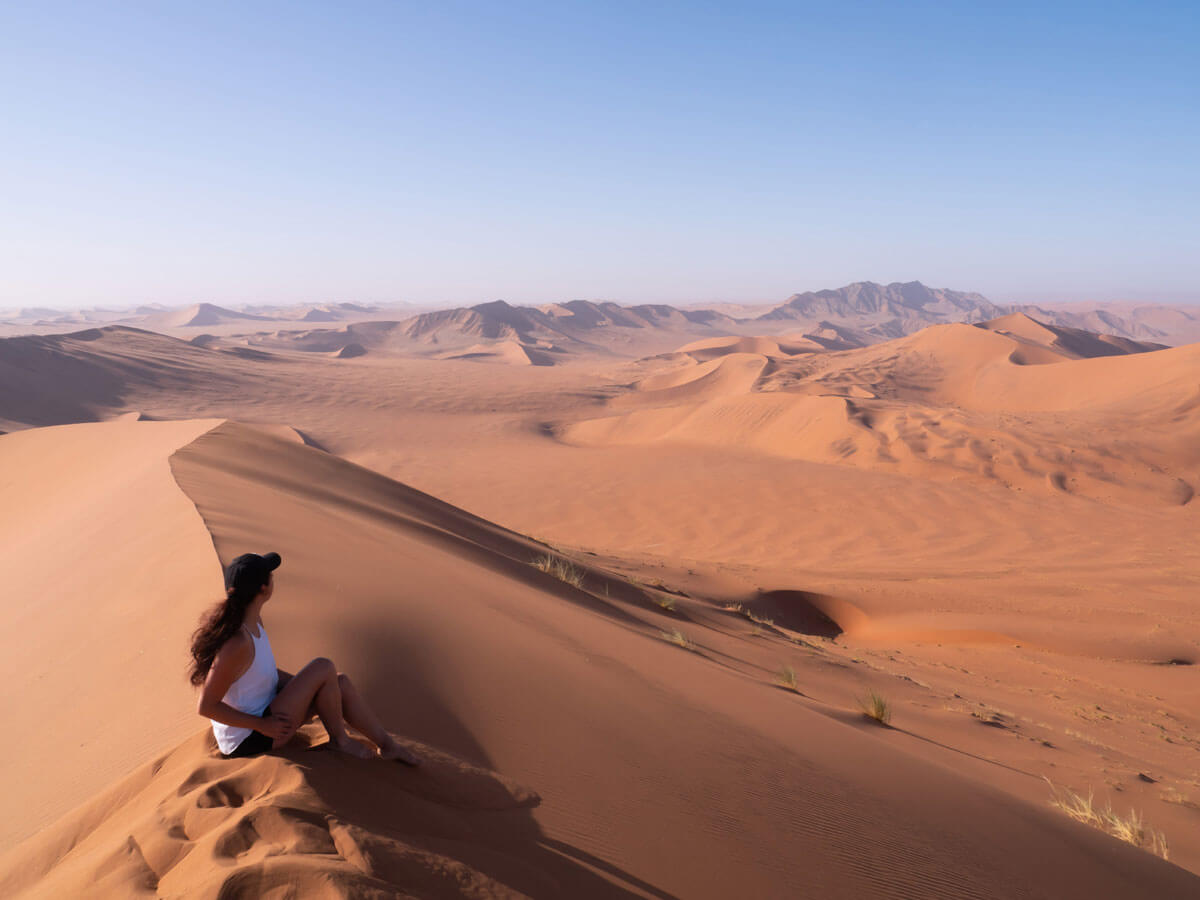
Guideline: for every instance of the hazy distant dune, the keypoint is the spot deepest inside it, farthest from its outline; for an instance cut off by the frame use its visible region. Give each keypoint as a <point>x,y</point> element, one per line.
<point>79,377</point>
<point>199,315</point>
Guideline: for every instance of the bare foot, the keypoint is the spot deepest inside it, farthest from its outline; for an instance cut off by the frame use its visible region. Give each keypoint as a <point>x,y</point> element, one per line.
<point>393,750</point>
<point>351,747</point>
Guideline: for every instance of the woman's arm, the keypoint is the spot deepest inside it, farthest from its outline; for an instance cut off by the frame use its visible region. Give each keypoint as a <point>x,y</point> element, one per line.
<point>233,659</point>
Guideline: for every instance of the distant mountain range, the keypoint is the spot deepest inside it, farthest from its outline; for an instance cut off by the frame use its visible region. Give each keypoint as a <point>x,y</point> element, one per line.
<point>881,312</point>
<point>571,321</point>
<point>855,315</point>
<point>155,316</point>
<point>897,302</point>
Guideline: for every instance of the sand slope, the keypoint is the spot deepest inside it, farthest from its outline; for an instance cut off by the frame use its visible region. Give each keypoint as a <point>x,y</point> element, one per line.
<point>1049,344</point>
<point>1093,417</point>
<point>200,315</point>
<point>78,377</point>
<point>105,564</point>
<point>629,767</point>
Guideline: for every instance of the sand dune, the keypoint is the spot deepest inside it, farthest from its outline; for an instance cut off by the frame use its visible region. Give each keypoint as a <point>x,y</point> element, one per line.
<point>446,340</point>
<point>135,556</point>
<point>927,405</point>
<point>89,376</point>
<point>1003,549</point>
<point>1050,344</point>
<point>371,337</point>
<point>763,346</point>
<point>974,367</point>
<point>628,766</point>
<point>730,374</point>
<point>511,352</point>
<point>192,824</point>
<point>77,377</point>
<point>199,316</point>
<point>351,350</point>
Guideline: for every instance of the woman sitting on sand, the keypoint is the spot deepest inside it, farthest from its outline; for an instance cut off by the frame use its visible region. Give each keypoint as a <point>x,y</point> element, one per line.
<point>255,707</point>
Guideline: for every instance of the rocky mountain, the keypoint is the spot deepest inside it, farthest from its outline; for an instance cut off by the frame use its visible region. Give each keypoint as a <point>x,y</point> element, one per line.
<point>878,312</point>
<point>899,300</point>
<point>1154,322</point>
<point>857,314</point>
<point>573,321</point>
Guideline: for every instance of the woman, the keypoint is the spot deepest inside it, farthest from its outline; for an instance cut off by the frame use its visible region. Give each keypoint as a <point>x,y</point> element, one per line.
<point>255,707</point>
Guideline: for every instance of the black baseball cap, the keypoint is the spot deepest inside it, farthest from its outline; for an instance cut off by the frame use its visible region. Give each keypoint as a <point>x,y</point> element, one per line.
<point>251,570</point>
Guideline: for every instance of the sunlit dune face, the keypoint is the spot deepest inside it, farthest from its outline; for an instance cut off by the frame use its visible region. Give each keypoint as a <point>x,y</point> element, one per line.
<point>757,550</point>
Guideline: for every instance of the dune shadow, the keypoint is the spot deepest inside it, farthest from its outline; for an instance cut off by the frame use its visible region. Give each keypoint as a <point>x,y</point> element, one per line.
<point>310,441</point>
<point>483,819</point>
<point>801,611</point>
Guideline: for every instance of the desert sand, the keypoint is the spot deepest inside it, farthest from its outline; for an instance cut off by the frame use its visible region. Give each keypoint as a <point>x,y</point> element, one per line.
<point>991,525</point>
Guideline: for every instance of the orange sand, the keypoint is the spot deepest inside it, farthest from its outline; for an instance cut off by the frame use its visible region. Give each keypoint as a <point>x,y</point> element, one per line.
<point>992,526</point>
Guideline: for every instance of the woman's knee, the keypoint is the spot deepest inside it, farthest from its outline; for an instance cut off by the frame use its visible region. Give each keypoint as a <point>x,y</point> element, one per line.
<point>324,665</point>
<point>344,681</point>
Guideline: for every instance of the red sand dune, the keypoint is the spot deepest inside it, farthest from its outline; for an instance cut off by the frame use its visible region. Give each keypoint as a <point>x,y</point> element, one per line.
<point>629,766</point>
<point>1049,344</point>
<point>763,346</point>
<point>1003,550</point>
<point>927,405</point>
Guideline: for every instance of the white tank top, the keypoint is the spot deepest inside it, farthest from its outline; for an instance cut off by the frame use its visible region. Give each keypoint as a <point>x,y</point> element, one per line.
<point>251,693</point>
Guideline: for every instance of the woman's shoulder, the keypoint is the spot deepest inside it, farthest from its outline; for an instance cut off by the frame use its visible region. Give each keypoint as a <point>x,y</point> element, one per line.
<point>239,646</point>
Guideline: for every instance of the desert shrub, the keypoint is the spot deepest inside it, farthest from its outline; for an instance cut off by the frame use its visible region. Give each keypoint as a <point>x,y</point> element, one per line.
<point>678,638</point>
<point>787,678</point>
<point>562,569</point>
<point>1129,828</point>
<point>875,706</point>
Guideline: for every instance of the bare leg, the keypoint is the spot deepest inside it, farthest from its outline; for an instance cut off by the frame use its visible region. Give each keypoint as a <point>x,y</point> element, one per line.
<point>361,717</point>
<point>317,684</point>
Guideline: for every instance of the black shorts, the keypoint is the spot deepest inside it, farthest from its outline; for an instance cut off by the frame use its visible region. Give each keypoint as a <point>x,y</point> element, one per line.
<point>253,744</point>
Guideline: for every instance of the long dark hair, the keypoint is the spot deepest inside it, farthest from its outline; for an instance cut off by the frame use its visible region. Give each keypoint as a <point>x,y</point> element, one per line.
<point>219,625</point>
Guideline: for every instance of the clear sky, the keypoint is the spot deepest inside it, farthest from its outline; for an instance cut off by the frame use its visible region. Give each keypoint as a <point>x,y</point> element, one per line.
<point>454,152</point>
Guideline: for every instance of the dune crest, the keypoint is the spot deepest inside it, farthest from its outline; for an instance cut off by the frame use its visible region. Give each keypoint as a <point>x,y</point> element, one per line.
<point>662,772</point>
<point>1050,344</point>
<point>78,377</point>
<point>192,823</point>
<point>140,557</point>
<point>1010,401</point>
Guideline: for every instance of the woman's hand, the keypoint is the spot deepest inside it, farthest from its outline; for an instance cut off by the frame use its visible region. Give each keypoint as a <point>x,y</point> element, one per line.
<point>278,726</point>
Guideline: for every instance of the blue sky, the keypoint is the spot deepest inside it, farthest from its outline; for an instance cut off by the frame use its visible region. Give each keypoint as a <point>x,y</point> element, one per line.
<point>641,152</point>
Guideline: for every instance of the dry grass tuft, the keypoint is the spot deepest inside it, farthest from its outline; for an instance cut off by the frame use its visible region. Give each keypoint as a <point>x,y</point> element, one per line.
<point>678,638</point>
<point>874,706</point>
<point>1131,828</point>
<point>666,601</point>
<point>562,569</point>
<point>741,610</point>
<point>787,678</point>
